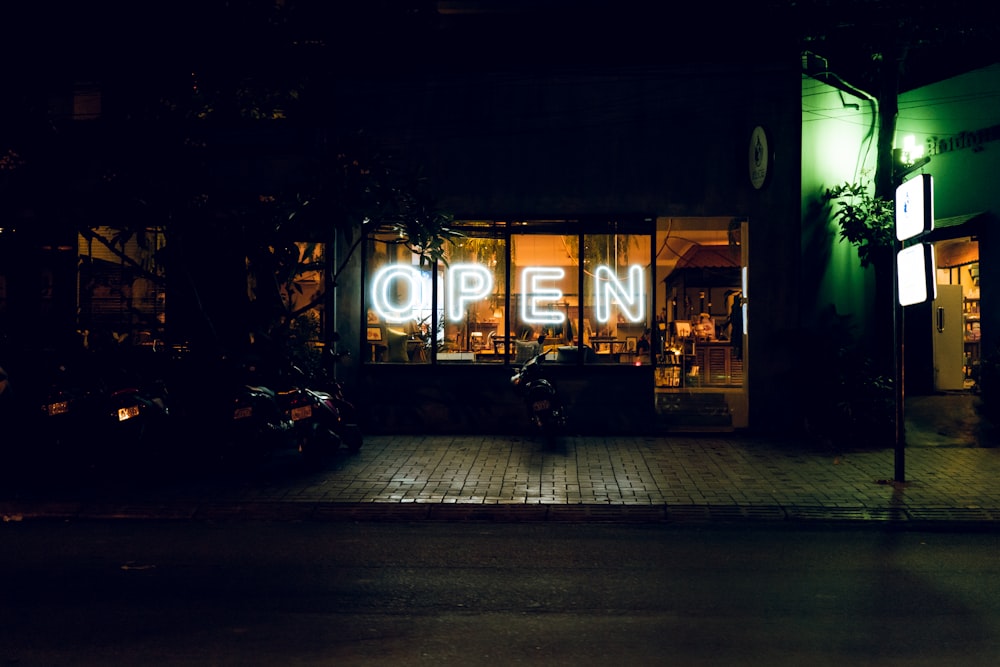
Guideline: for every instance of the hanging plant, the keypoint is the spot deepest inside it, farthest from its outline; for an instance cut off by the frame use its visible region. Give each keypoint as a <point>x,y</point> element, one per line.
<point>866,221</point>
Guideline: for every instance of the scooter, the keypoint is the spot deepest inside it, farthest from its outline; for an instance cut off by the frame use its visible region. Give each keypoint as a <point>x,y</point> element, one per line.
<point>113,421</point>
<point>320,417</point>
<point>326,381</point>
<point>223,400</point>
<point>545,409</point>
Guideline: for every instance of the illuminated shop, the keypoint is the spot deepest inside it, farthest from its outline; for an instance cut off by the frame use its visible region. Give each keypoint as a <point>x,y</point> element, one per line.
<point>582,291</point>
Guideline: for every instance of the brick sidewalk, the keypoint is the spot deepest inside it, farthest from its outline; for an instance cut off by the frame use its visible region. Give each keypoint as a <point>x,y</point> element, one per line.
<point>642,478</point>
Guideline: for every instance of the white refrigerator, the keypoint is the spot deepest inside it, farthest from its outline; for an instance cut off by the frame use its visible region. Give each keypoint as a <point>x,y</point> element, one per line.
<point>948,332</point>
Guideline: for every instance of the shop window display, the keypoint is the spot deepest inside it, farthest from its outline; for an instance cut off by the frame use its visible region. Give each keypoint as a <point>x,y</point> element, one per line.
<point>504,291</point>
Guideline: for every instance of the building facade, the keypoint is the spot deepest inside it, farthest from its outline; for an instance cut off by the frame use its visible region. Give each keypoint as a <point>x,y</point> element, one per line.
<point>628,209</point>
<point>613,185</point>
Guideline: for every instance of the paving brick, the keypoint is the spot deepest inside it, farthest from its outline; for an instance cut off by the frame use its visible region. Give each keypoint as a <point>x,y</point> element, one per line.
<point>691,477</point>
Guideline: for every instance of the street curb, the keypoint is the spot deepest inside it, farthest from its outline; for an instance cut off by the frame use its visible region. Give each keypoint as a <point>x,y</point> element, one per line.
<point>772,515</point>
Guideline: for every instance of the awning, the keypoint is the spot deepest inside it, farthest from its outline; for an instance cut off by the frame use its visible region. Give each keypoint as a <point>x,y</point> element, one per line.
<point>959,226</point>
<point>710,256</point>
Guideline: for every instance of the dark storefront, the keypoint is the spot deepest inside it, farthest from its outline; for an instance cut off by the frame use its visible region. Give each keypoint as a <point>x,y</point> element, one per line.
<point>585,186</point>
<point>582,148</point>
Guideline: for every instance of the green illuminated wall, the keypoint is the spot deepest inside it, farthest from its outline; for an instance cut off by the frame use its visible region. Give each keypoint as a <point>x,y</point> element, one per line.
<point>839,139</point>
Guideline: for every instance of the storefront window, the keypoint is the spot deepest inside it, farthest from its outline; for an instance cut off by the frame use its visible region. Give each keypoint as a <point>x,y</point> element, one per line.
<point>507,291</point>
<point>545,295</point>
<point>617,296</point>
<point>474,298</point>
<point>400,302</point>
<point>122,296</point>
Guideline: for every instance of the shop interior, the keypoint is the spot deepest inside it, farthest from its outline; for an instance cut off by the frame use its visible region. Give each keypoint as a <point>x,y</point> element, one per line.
<point>699,276</point>
<point>696,291</point>
<point>958,268</point>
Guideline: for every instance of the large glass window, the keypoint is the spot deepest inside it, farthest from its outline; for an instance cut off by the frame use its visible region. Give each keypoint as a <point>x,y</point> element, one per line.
<point>545,295</point>
<point>702,307</point>
<point>618,294</point>
<point>401,324</point>
<point>474,281</point>
<point>505,291</point>
<point>121,286</point>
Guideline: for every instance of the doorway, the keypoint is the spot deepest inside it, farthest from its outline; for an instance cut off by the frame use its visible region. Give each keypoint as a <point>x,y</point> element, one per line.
<point>701,303</point>
<point>956,321</point>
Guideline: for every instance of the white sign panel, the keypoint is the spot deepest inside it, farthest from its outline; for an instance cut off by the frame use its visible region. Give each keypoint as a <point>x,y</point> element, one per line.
<point>914,207</point>
<point>916,272</point>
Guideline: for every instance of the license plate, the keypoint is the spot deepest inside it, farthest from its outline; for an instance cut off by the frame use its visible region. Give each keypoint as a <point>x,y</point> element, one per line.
<point>59,408</point>
<point>128,412</point>
<point>243,413</point>
<point>538,406</point>
<point>304,412</point>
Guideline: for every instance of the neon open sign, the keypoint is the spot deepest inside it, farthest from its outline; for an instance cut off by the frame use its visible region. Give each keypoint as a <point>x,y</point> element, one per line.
<point>399,291</point>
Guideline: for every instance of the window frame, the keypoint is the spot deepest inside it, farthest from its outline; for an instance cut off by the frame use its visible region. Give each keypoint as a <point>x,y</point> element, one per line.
<point>506,232</point>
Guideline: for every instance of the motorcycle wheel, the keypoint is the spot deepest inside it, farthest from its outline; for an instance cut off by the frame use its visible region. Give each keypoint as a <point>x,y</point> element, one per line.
<point>317,444</point>
<point>353,438</point>
<point>552,426</point>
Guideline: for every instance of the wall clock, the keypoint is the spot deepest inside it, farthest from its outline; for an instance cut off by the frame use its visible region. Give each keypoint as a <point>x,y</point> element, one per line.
<point>759,157</point>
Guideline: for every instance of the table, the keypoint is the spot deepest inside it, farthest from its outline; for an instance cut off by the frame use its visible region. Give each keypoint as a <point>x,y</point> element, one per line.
<point>500,342</point>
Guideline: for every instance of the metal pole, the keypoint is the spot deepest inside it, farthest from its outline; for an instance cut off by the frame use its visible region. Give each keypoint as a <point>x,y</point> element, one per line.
<point>900,394</point>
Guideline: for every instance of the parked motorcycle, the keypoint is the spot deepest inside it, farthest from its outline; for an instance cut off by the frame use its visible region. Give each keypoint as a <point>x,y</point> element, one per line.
<point>326,380</point>
<point>226,412</point>
<point>249,406</point>
<point>545,409</point>
<point>254,424</point>
<point>320,416</point>
<point>95,413</point>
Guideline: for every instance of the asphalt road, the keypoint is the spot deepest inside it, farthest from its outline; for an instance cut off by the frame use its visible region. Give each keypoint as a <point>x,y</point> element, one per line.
<point>370,593</point>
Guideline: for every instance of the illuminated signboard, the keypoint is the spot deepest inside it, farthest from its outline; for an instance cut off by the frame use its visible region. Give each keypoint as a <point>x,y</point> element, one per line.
<point>398,306</point>
<point>609,289</point>
<point>916,269</point>
<point>914,207</point>
<point>535,293</point>
<point>916,275</point>
<point>400,291</point>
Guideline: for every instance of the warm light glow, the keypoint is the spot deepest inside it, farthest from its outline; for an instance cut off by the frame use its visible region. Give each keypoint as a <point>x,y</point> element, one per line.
<point>911,150</point>
<point>744,283</point>
<point>401,293</point>
<point>609,289</point>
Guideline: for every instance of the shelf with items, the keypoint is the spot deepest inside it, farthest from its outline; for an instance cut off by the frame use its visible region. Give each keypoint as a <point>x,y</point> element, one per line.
<point>668,370</point>
<point>972,349</point>
<point>970,313</point>
<point>970,306</point>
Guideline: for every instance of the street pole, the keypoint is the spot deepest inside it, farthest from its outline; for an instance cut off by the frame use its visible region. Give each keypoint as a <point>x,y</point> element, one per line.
<point>900,394</point>
<point>925,209</point>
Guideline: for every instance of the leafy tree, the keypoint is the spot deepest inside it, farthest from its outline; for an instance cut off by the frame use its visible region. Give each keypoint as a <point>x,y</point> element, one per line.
<point>866,220</point>
<point>175,161</point>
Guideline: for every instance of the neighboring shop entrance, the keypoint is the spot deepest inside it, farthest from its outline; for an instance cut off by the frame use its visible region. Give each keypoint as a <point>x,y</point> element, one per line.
<point>955,313</point>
